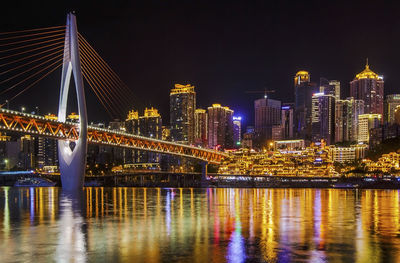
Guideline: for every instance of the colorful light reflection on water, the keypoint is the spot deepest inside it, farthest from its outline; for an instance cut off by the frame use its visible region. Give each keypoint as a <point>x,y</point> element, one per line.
<point>199,225</point>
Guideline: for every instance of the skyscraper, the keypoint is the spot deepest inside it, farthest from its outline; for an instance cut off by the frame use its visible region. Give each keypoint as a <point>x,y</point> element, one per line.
<point>200,127</point>
<point>287,121</point>
<point>220,126</point>
<point>150,125</point>
<point>330,87</point>
<point>237,131</point>
<point>358,109</point>
<point>343,120</point>
<point>303,94</point>
<point>182,108</point>
<point>391,103</point>
<point>267,114</point>
<point>366,122</point>
<point>323,117</point>
<point>368,86</point>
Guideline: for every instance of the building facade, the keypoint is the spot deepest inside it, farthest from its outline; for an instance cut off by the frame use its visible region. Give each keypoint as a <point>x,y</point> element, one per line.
<point>237,131</point>
<point>303,95</point>
<point>369,87</point>
<point>267,114</point>
<point>343,120</point>
<point>150,125</point>
<point>220,126</point>
<point>323,118</point>
<point>391,103</point>
<point>200,127</point>
<point>182,108</point>
<point>366,122</point>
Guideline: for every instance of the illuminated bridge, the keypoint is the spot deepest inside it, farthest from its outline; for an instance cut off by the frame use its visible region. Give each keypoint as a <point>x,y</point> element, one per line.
<point>40,126</point>
<point>28,56</point>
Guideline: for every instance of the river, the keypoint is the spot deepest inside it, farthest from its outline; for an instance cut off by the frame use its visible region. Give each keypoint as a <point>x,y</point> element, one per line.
<point>199,225</point>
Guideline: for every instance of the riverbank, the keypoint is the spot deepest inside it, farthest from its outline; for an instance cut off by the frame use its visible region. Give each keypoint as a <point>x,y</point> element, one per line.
<point>219,181</point>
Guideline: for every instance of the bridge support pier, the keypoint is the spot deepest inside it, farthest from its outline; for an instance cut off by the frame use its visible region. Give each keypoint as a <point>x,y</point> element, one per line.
<point>72,155</point>
<point>204,182</point>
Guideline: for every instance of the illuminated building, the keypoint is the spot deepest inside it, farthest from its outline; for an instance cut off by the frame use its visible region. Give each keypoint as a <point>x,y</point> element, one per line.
<point>132,122</point>
<point>237,131</point>
<point>267,114</point>
<point>368,86</point>
<point>150,125</point>
<point>73,117</point>
<point>323,118</point>
<point>220,126</point>
<point>358,109</point>
<point>27,156</point>
<point>289,145</point>
<point>287,121</point>
<point>348,154</point>
<point>182,108</point>
<point>303,94</point>
<point>343,120</point>
<point>247,141</point>
<point>200,127</point>
<point>330,87</point>
<point>366,122</point>
<point>277,132</point>
<point>391,104</point>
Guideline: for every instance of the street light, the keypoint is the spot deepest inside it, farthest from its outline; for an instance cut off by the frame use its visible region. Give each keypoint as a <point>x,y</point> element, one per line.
<point>6,163</point>
<point>23,109</point>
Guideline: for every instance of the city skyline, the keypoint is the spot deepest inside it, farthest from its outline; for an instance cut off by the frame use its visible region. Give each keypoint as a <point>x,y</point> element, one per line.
<point>215,66</point>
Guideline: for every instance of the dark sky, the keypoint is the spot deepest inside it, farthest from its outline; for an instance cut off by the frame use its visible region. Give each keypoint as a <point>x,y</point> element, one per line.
<point>223,48</point>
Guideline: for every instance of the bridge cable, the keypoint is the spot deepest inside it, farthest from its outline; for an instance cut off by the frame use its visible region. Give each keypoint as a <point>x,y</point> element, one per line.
<point>35,34</point>
<point>111,92</point>
<point>31,30</point>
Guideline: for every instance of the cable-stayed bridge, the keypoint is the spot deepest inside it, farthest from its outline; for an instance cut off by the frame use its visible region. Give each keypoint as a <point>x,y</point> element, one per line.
<point>28,56</point>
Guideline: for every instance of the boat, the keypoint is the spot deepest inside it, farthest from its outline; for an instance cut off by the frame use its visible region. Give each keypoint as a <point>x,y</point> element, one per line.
<point>34,182</point>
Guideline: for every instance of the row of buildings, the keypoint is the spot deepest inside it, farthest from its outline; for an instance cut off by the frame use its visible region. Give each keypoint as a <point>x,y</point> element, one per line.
<point>319,112</point>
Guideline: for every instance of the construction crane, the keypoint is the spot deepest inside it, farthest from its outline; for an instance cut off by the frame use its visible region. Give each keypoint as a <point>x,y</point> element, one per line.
<point>265,91</point>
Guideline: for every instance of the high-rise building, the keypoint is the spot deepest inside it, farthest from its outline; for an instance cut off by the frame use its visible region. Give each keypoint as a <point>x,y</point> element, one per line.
<point>237,131</point>
<point>343,120</point>
<point>220,126</point>
<point>358,109</point>
<point>303,94</point>
<point>287,121</point>
<point>323,118</point>
<point>200,127</point>
<point>132,122</point>
<point>150,125</point>
<point>368,86</point>
<point>182,108</point>
<point>267,114</point>
<point>366,122</point>
<point>391,103</point>
<point>330,87</point>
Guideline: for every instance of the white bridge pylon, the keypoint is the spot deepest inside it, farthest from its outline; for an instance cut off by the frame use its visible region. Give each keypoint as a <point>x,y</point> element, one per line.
<point>72,156</point>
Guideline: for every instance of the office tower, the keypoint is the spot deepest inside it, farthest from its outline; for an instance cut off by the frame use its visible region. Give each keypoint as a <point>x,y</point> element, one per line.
<point>330,87</point>
<point>132,122</point>
<point>27,156</point>
<point>220,126</point>
<point>303,94</point>
<point>287,121</point>
<point>323,118</point>
<point>343,120</point>
<point>267,114</point>
<point>150,125</point>
<point>366,122</point>
<point>182,108</point>
<point>391,103</point>
<point>237,131</point>
<point>368,86</point>
<point>358,109</point>
<point>200,127</point>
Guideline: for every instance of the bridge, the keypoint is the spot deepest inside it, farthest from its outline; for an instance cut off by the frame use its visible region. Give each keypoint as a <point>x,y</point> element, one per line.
<point>14,121</point>
<point>54,47</point>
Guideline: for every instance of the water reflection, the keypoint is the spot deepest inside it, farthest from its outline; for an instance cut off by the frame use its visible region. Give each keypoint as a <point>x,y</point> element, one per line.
<point>219,225</point>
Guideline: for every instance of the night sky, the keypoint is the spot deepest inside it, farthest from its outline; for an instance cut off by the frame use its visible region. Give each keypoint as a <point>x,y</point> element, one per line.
<point>223,49</point>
